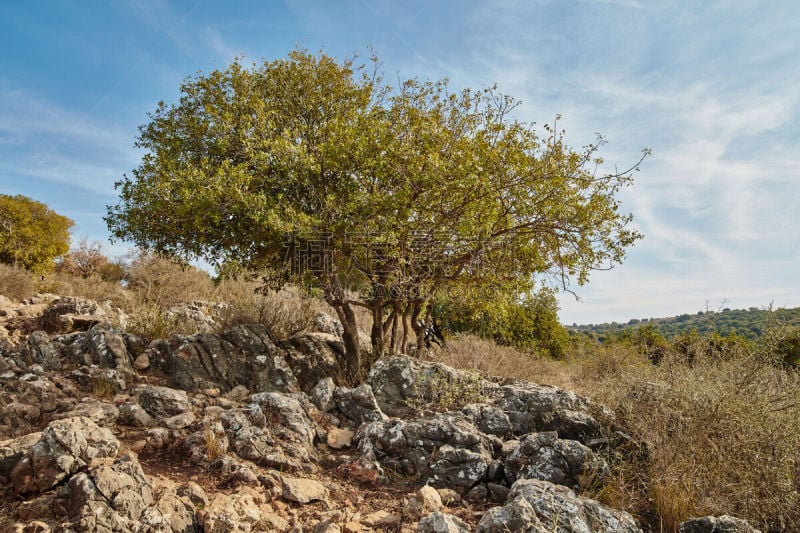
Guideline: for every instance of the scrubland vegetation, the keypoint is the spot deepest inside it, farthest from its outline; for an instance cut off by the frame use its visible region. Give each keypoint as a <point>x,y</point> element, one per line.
<point>712,428</point>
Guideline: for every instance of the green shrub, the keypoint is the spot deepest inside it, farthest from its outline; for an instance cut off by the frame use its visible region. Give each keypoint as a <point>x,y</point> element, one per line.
<point>529,323</point>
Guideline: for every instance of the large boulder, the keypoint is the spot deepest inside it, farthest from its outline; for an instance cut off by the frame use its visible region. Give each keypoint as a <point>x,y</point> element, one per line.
<point>539,506</point>
<point>358,404</point>
<point>312,357</point>
<point>535,408</point>
<point>12,450</point>
<point>65,447</point>
<point>275,430</point>
<point>546,457</point>
<point>108,497</point>
<point>163,402</point>
<point>68,313</point>
<point>446,448</point>
<point>403,384</point>
<point>243,355</point>
<point>101,346</point>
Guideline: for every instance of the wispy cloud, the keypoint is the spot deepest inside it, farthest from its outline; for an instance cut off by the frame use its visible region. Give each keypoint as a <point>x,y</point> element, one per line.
<point>47,141</point>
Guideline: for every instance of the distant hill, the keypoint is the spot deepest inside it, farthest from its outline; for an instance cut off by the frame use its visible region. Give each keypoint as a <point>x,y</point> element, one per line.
<point>749,323</point>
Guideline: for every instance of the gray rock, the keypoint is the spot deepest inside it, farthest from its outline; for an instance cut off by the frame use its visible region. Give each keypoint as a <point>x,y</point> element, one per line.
<point>11,451</point>
<point>38,349</point>
<point>243,355</point>
<point>104,347</point>
<point>322,394</point>
<point>64,447</point>
<point>282,437</point>
<point>397,380</point>
<point>101,413</point>
<point>313,356</point>
<point>180,421</point>
<point>442,523</point>
<point>445,447</point>
<point>546,457</point>
<point>109,495</point>
<point>534,408</point>
<point>325,323</point>
<point>132,414</point>
<point>489,419</point>
<point>533,503</point>
<point>425,501</point>
<point>717,524</point>
<point>237,513</point>
<point>358,404</point>
<point>163,402</point>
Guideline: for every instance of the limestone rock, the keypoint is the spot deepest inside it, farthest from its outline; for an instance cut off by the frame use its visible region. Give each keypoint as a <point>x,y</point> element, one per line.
<point>358,404</point>
<point>237,513</point>
<point>312,357</point>
<point>544,456</point>
<point>132,414</point>
<point>243,355</point>
<point>11,451</point>
<point>64,447</point>
<point>303,490</point>
<point>717,524</point>
<point>163,402</point>
<point>425,501</point>
<point>446,447</point>
<point>533,503</point>
<point>442,523</point>
<point>101,413</point>
<point>322,394</point>
<point>535,408</point>
<point>339,438</point>
<point>275,430</point>
<point>396,380</point>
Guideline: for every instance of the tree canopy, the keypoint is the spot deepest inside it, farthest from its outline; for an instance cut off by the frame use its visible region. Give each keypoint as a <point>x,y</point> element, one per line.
<point>31,234</point>
<point>394,190</point>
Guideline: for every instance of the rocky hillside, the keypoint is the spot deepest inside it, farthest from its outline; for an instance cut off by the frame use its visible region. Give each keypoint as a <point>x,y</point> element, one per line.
<point>237,431</point>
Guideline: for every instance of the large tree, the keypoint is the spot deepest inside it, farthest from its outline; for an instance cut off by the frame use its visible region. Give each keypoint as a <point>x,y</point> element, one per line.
<point>395,191</point>
<point>31,234</point>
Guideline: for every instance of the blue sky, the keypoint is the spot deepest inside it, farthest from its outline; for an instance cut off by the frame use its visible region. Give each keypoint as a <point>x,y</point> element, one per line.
<point>713,88</point>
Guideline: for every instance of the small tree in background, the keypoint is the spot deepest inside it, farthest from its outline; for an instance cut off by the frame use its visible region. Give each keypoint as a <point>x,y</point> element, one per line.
<point>31,234</point>
<point>85,261</point>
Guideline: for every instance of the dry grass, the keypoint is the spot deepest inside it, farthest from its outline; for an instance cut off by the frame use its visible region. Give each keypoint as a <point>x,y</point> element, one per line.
<point>91,288</point>
<point>721,435</point>
<point>16,283</point>
<point>284,313</point>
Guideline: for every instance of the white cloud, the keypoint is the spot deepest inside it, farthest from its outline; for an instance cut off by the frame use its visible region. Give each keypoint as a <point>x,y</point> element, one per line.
<point>44,140</point>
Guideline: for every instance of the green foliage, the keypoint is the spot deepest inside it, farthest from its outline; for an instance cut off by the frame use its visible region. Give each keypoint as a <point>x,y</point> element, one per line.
<point>31,234</point>
<point>749,323</point>
<point>435,187</point>
<point>528,323</point>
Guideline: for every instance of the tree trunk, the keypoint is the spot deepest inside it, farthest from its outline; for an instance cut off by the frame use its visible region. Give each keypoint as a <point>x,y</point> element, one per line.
<point>352,350</point>
<point>377,332</point>
<point>406,328</point>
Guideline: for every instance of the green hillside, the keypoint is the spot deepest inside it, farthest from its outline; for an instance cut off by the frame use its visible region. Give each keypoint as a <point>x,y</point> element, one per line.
<point>749,323</point>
